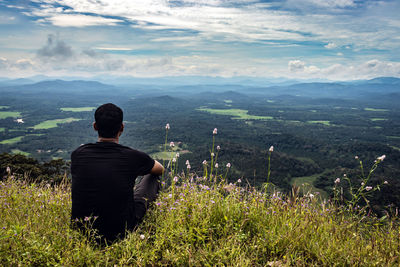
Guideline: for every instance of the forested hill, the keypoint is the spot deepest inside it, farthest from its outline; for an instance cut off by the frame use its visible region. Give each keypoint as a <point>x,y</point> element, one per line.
<point>316,128</point>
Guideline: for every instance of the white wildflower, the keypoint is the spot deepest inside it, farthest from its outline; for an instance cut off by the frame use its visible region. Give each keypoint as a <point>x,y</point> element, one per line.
<point>239,181</point>
<point>228,165</point>
<point>337,181</point>
<point>188,167</point>
<point>173,159</point>
<point>271,149</point>
<point>356,157</point>
<point>215,131</point>
<point>8,170</point>
<point>368,188</point>
<point>177,155</point>
<point>218,147</point>
<point>381,158</point>
<point>142,237</point>
<point>216,165</point>
<point>172,144</point>
<point>204,162</point>
<point>187,162</point>
<point>176,179</point>
<point>385,182</point>
<point>167,126</point>
<point>212,154</point>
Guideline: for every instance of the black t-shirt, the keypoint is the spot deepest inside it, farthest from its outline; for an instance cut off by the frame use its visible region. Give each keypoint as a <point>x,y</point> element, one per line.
<point>103,177</point>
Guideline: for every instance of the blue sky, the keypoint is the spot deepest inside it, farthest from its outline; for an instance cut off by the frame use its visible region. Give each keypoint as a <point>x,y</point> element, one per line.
<point>327,39</point>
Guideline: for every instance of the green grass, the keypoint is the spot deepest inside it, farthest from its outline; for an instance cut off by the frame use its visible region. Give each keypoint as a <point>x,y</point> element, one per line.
<point>12,140</point>
<point>81,109</point>
<point>239,114</point>
<point>378,119</point>
<point>4,107</point>
<point>393,137</point>
<point>2,129</point>
<point>9,114</point>
<point>376,109</point>
<point>194,224</point>
<point>53,123</point>
<point>17,151</point>
<point>228,101</point>
<point>327,123</point>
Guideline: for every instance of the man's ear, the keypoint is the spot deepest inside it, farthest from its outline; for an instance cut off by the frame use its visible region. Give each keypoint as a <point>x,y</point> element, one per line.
<point>122,128</point>
<point>95,126</point>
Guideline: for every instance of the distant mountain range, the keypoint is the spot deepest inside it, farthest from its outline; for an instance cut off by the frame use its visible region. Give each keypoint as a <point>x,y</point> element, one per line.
<point>373,88</point>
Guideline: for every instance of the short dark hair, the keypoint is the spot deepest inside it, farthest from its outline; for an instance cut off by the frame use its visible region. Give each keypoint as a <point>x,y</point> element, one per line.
<point>108,119</point>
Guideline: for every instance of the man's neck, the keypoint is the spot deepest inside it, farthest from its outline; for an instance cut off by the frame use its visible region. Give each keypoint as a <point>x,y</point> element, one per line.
<point>110,140</point>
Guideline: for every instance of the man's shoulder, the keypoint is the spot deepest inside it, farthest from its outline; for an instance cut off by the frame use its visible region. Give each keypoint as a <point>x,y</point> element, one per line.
<point>106,145</point>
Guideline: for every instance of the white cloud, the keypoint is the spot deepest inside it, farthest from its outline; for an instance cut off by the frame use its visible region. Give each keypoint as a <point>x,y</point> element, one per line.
<point>330,46</point>
<point>77,20</point>
<point>365,70</point>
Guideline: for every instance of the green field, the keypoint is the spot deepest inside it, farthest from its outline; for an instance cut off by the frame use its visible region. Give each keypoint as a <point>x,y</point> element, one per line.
<point>81,109</point>
<point>376,109</point>
<point>163,155</point>
<point>378,119</point>
<point>12,140</point>
<point>327,123</point>
<point>306,184</point>
<point>238,114</point>
<point>9,114</point>
<point>17,151</point>
<point>53,123</point>
<point>16,139</point>
<point>3,107</point>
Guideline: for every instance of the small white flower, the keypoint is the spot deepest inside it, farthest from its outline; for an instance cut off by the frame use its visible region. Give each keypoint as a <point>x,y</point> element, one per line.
<point>8,170</point>
<point>381,158</point>
<point>385,182</point>
<point>172,144</point>
<point>86,219</point>
<point>216,165</point>
<point>311,195</point>
<point>204,162</point>
<point>187,162</point>
<point>167,126</point>
<point>215,131</point>
<point>271,149</point>
<point>188,167</point>
<point>173,159</point>
<point>345,175</point>
<point>228,165</point>
<point>142,237</point>
<point>176,179</point>
<point>239,181</point>
<point>177,155</point>
<point>218,147</point>
<point>356,157</point>
<point>368,188</point>
<point>362,184</point>
<point>212,154</point>
<point>337,180</point>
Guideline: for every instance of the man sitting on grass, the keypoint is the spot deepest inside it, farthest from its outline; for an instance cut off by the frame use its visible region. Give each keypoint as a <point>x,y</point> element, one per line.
<point>103,179</point>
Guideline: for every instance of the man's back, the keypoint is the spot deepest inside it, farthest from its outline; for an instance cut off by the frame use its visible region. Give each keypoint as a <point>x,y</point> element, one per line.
<point>103,176</point>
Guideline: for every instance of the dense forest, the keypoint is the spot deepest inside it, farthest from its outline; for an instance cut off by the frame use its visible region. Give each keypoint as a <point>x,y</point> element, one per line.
<point>316,129</point>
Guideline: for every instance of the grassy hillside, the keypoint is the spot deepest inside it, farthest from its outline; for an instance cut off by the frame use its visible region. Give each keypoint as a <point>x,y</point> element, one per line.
<point>197,222</point>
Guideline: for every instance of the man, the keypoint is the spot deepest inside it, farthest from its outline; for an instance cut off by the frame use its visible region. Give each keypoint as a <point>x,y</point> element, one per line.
<point>103,178</point>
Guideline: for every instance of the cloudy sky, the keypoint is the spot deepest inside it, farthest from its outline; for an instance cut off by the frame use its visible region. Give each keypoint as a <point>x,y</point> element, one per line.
<point>329,39</point>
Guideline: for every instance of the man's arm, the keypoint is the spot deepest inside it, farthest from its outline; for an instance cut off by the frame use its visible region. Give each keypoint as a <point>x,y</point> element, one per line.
<point>157,169</point>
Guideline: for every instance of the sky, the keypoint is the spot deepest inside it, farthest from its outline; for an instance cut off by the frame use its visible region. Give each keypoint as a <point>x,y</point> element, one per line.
<point>294,39</point>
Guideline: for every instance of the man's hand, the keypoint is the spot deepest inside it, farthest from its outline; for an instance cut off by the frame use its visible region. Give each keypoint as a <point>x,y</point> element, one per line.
<point>157,169</point>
